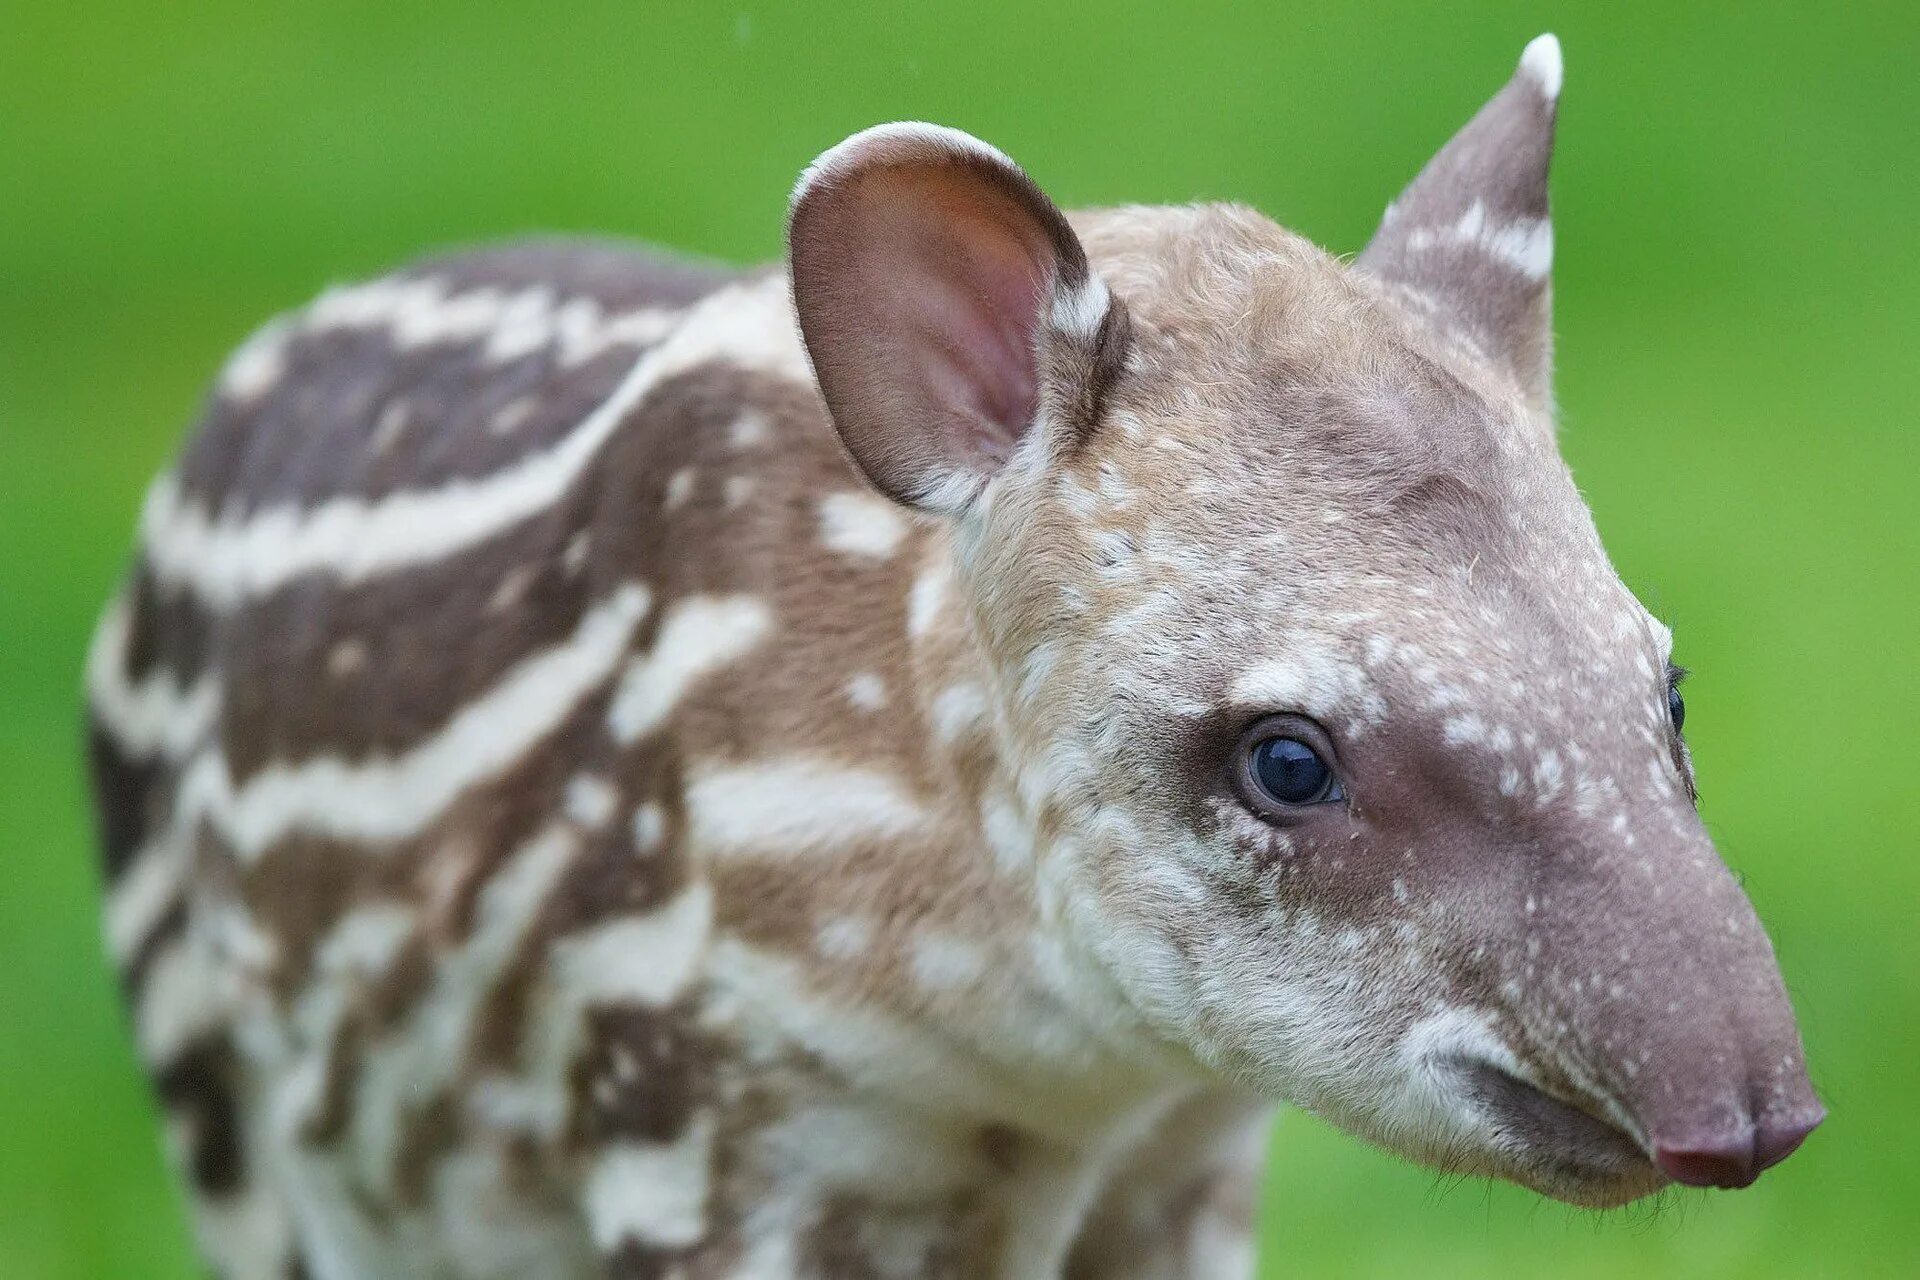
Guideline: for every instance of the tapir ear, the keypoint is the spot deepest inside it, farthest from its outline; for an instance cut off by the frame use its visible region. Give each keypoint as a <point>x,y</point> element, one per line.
<point>1471,238</point>
<point>945,303</point>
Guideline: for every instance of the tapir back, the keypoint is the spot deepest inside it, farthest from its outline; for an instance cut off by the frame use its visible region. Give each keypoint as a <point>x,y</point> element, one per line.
<point>393,734</point>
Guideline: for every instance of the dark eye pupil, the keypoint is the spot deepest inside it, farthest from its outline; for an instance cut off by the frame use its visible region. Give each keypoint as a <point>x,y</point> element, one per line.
<point>1676,707</point>
<point>1290,771</point>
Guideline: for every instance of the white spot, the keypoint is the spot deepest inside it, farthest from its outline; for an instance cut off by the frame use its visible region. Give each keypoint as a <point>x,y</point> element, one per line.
<point>649,827</point>
<point>590,800</point>
<point>867,691</point>
<point>1547,774</point>
<point>941,962</point>
<point>698,636</point>
<point>508,417</point>
<point>512,588</point>
<point>863,525</point>
<point>749,429</point>
<point>679,489</point>
<point>843,937</point>
<point>736,490</point>
<point>1541,60</point>
<point>926,598</point>
<point>654,1193</point>
<point>1008,834</point>
<point>426,311</point>
<point>346,658</point>
<point>386,431</point>
<point>957,709</point>
<point>574,557</point>
<point>790,807</point>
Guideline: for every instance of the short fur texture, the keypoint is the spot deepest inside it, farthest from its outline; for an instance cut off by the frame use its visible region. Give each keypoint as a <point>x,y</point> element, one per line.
<point>595,782</point>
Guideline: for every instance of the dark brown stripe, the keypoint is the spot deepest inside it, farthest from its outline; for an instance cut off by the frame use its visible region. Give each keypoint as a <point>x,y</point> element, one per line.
<point>201,1084</point>
<point>633,1260</point>
<point>427,644</point>
<point>167,632</point>
<point>431,640</point>
<point>354,414</point>
<point>127,792</point>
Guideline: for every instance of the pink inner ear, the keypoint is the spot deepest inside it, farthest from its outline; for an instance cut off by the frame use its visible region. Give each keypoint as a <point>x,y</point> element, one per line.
<point>924,267</point>
<point>965,286</point>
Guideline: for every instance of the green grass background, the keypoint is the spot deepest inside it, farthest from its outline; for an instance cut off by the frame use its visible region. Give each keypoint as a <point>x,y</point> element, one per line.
<point>1739,303</point>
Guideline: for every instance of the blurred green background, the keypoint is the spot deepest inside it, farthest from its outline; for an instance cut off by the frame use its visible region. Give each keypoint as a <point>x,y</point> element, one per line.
<point>1739,305</point>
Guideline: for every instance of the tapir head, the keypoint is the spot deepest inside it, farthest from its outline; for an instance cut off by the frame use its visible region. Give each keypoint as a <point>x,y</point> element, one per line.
<point>1347,757</point>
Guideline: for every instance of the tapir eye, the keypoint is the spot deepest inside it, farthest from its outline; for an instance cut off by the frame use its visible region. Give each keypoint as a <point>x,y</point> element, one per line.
<point>1285,766</point>
<point>1291,772</point>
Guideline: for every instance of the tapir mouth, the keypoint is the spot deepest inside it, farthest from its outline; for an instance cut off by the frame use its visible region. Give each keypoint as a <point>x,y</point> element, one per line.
<point>1569,1139</point>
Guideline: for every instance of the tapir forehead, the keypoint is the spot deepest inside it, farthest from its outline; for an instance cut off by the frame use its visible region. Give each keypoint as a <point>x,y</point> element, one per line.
<point>1269,377</point>
<point>1301,498</point>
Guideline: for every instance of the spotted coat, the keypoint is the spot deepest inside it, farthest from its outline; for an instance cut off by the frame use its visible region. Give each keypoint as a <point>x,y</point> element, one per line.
<point>595,778</point>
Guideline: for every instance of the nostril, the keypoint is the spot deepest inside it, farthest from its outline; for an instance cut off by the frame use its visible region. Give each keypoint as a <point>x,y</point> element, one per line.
<point>1729,1162</point>
<point>1735,1160</point>
<point>1778,1139</point>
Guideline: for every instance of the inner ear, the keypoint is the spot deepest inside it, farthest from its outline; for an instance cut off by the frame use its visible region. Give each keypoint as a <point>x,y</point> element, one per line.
<point>932,279</point>
<point>981,287</point>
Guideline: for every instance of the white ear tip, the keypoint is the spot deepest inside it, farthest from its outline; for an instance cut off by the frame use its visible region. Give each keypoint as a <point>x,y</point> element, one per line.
<point>849,152</point>
<point>1541,60</point>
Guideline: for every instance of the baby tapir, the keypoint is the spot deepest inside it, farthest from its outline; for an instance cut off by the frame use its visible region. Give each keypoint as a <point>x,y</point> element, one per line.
<point>599,778</point>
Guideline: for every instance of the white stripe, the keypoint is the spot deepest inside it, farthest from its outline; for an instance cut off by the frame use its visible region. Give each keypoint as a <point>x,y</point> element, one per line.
<point>185,995</point>
<point>1079,312</point>
<point>396,797</point>
<point>151,885</point>
<point>698,635</point>
<point>224,561</point>
<point>259,362</point>
<point>432,1047</point>
<point>156,717</point>
<point>785,807</point>
<point>653,1192</point>
<point>642,959</point>
<point>1525,244</point>
<point>427,312</point>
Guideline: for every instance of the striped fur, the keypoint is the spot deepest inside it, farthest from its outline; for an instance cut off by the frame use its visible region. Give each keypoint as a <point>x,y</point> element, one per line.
<point>560,819</point>
<point>453,647</point>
